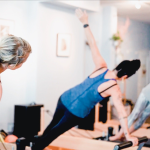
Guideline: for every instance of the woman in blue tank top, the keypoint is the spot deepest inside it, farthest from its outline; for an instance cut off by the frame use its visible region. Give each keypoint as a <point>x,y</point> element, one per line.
<point>77,102</point>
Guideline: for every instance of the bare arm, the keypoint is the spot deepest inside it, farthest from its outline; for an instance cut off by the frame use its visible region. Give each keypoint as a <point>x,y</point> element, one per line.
<point>117,100</point>
<point>97,58</point>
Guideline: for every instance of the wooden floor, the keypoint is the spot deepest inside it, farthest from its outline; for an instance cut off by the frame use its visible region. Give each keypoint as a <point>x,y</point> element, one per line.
<point>142,132</point>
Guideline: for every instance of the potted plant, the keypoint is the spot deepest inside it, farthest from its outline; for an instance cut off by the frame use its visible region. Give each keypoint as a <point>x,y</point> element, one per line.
<point>116,38</point>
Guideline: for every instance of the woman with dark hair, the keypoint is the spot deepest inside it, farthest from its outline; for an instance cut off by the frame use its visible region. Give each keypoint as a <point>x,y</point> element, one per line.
<point>77,102</point>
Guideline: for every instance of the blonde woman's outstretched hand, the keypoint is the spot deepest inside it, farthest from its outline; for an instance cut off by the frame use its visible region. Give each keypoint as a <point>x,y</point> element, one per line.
<point>82,16</point>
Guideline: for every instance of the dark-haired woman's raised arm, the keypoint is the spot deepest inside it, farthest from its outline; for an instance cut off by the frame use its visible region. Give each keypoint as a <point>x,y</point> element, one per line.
<point>97,58</point>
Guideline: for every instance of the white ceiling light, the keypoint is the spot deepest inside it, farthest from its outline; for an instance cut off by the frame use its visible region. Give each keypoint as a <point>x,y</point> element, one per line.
<point>138,5</point>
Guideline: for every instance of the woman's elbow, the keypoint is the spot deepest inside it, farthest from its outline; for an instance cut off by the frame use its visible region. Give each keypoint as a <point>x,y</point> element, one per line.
<point>121,113</point>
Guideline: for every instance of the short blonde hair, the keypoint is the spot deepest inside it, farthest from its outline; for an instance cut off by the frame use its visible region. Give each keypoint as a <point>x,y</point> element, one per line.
<point>13,49</point>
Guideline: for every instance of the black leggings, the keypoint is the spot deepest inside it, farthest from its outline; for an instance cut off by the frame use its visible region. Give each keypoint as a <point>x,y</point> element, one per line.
<point>62,121</point>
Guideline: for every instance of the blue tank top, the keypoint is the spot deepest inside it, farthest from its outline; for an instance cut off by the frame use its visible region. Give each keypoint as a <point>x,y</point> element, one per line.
<point>80,99</point>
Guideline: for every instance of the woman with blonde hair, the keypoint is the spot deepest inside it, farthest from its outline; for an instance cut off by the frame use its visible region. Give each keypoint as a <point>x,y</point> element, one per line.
<point>14,51</point>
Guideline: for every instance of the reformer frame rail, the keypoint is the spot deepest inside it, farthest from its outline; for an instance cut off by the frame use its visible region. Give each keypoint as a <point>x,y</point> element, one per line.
<point>77,143</point>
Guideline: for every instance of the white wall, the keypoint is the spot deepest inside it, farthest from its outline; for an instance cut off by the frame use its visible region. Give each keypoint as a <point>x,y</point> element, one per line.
<point>109,27</point>
<point>57,74</point>
<point>135,46</point>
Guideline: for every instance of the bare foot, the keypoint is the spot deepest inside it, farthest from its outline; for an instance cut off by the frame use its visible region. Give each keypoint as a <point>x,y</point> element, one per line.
<point>27,148</point>
<point>114,138</point>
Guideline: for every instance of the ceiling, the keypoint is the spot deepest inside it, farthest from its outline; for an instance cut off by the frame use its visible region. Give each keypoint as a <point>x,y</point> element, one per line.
<point>126,8</point>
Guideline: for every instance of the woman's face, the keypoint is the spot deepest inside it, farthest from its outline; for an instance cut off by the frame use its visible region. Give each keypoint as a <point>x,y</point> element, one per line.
<point>12,67</point>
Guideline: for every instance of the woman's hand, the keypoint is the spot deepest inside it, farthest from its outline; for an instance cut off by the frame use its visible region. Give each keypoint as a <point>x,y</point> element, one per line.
<point>82,15</point>
<point>134,140</point>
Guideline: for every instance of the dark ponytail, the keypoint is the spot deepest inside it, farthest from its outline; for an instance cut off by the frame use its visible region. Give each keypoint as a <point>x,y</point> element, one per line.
<point>128,68</point>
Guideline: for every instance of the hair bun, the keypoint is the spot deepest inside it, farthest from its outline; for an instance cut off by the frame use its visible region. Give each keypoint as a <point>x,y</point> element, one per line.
<point>136,63</point>
<point>128,68</point>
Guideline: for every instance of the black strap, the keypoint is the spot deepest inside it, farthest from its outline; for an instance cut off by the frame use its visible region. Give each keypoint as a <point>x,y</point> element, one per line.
<point>108,88</point>
<point>96,70</point>
<point>85,25</point>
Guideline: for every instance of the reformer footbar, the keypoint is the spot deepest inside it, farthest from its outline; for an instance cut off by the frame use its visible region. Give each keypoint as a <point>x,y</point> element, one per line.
<point>127,144</point>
